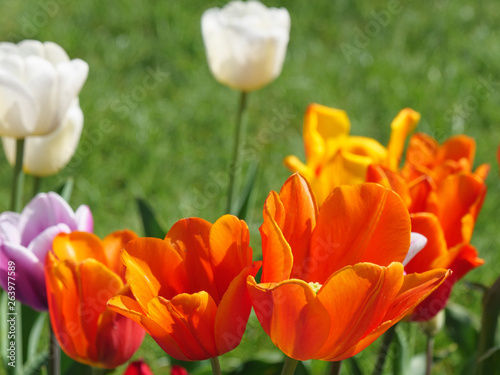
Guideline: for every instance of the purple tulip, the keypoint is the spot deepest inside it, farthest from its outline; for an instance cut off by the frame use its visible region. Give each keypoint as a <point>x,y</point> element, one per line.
<point>26,238</point>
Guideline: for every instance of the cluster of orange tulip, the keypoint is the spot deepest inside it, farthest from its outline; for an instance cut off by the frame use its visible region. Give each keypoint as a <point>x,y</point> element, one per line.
<point>336,269</point>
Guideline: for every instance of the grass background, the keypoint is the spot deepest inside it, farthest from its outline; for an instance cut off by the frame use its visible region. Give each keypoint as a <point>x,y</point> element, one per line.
<point>171,143</point>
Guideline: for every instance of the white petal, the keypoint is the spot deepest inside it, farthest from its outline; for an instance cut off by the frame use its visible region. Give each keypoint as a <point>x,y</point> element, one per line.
<point>47,155</point>
<point>31,48</point>
<point>55,53</point>
<point>9,227</point>
<point>417,243</point>
<point>71,76</point>
<point>41,81</point>
<point>18,108</point>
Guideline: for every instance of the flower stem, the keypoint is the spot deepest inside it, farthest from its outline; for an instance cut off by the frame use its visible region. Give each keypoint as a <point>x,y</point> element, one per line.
<point>17,178</point>
<point>384,350</point>
<point>37,185</point>
<point>234,164</point>
<point>429,354</point>
<point>54,354</point>
<point>215,366</point>
<point>336,368</point>
<point>289,366</point>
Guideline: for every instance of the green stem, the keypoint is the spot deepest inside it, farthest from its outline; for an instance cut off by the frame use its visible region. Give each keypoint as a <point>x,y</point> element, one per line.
<point>234,164</point>
<point>289,366</point>
<point>336,368</point>
<point>215,366</point>
<point>429,354</point>
<point>489,325</point>
<point>384,350</point>
<point>37,185</point>
<point>17,178</point>
<point>54,354</point>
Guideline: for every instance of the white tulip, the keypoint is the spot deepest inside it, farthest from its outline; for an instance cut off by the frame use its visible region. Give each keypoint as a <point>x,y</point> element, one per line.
<point>47,155</point>
<point>245,43</point>
<point>38,82</point>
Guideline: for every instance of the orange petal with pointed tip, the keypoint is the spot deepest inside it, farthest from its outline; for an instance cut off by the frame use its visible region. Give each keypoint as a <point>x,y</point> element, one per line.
<point>229,250</point>
<point>296,221</point>
<point>456,148</point>
<point>233,312</point>
<point>291,315</point>
<point>275,248</point>
<point>113,244</point>
<point>457,196</point>
<point>357,298</point>
<point>363,223</point>
<point>153,269</point>
<point>190,238</point>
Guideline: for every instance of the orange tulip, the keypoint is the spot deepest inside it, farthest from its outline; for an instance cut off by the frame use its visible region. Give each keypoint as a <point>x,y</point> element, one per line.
<point>336,158</point>
<point>82,273</point>
<point>444,198</point>
<point>189,290</point>
<point>333,278</point>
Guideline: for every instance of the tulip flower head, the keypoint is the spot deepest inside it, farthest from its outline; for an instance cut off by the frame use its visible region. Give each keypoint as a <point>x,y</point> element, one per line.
<point>189,290</point>
<point>336,158</point>
<point>82,273</point>
<point>444,198</point>
<point>333,279</point>
<point>26,237</point>
<point>38,83</point>
<point>46,155</point>
<point>245,43</point>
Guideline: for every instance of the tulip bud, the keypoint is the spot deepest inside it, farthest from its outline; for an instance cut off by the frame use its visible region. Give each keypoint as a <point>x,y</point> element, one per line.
<point>245,43</point>
<point>178,370</point>
<point>138,368</point>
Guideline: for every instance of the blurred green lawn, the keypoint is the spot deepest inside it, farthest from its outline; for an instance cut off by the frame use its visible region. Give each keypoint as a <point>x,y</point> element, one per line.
<point>170,142</point>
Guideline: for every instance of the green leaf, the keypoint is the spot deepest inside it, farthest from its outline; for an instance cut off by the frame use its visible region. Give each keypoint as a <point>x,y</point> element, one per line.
<point>33,365</point>
<point>151,226</point>
<point>244,199</point>
<point>353,365</point>
<point>461,327</point>
<point>66,189</point>
<point>34,335</point>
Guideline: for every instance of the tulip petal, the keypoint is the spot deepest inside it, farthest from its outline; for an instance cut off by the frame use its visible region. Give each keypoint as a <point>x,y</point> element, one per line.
<point>30,288</point>
<point>96,284</point>
<point>64,305</point>
<point>43,242</point>
<point>415,288</point>
<point>233,311</point>
<point>357,298</point>
<point>457,147</point>
<point>275,248</point>
<point>418,242</point>
<point>402,125</point>
<point>457,196</point>
<point>9,224</point>
<point>113,244</point>
<point>84,219</point>
<point>428,225</point>
<point>189,319</point>
<point>190,238</point>
<point>362,223</point>
<point>43,211</point>
<point>229,250</point>
<point>153,269</point>
<point>55,53</point>
<point>78,246</point>
<point>291,315</point>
